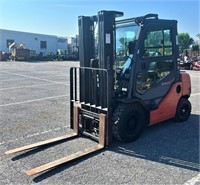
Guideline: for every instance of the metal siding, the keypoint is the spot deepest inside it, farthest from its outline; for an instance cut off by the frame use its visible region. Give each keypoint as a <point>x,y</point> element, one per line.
<point>31,41</point>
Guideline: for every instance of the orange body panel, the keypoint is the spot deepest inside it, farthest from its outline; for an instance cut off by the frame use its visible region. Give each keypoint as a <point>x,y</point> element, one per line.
<point>167,107</point>
<point>185,78</point>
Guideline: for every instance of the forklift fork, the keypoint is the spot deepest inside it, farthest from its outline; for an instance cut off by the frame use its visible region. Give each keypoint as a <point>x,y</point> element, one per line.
<point>85,152</point>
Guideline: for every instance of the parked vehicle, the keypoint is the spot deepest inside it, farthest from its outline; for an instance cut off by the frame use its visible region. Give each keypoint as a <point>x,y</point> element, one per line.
<point>196,64</point>
<point>191,64</point>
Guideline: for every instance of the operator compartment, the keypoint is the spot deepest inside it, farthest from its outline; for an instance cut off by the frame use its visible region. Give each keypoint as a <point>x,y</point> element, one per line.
<point>127,32</point>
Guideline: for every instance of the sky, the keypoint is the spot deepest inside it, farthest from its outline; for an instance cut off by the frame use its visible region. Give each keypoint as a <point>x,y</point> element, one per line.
<point>60,17</point>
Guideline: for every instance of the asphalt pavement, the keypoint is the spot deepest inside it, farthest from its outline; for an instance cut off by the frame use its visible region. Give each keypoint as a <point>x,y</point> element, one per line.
<point>34,106</point>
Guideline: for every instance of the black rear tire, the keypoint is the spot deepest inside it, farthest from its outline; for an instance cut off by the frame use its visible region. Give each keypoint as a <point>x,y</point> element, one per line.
<point>183,110</point>
<point>128,122</point>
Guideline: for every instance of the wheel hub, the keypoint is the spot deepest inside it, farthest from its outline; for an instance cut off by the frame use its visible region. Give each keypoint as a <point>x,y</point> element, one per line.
<point>132,123</point>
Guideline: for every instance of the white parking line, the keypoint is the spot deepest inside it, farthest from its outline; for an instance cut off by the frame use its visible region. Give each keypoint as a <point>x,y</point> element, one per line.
<point>194,76</point>
<point>195,94</point>
<point>193,181</point>
<point>19,87</point>
<point>32,77</point>
<point>15,79</point>
<point>53,75</point>
<point>180,162</point>
<point>35,100</point>
<point>33,135</point>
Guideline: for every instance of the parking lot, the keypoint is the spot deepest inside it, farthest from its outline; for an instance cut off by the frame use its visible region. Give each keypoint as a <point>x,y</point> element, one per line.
<point>34,106</point>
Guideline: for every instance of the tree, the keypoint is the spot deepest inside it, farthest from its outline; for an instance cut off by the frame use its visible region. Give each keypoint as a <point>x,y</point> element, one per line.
<point>198,35</point>
<point>196,44</point>
<point>195,47</point>
<point>184,41</point>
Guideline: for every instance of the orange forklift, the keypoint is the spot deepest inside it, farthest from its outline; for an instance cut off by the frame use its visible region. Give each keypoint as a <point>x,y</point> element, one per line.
<point>128,78</point>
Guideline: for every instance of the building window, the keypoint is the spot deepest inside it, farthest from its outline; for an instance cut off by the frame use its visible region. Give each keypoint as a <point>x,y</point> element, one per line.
<point>9,42</point>
<point>62,40</point>
<point>43,45</point>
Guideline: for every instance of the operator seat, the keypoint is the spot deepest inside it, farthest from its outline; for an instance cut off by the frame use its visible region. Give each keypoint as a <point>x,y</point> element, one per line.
<point>154,70</point>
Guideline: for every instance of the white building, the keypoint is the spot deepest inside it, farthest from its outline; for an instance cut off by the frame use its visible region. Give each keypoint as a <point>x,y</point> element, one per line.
<point>38,42</point>
<point>72,44</point>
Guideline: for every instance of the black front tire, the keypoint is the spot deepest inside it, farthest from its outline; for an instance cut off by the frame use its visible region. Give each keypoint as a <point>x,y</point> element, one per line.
<point>129,121</point>
<point>183,110</point>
